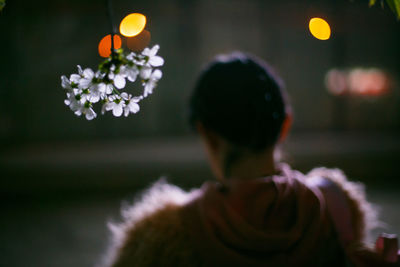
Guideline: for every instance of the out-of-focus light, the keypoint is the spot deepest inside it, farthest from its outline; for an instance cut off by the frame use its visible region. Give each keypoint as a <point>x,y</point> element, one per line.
<point>139,42</point>
<point>132,25</point>
<point>357,81</point>
<point>336,82</point>
<point>105,45</point>
<point>371,82</point>
<point>319,28</point>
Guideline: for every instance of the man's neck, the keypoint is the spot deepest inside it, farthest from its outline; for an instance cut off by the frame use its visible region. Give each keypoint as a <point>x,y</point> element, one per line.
<point>254,166</point>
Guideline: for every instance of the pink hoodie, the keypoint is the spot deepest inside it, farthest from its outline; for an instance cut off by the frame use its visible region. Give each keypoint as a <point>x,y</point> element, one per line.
<point>283,220</point>
<point>271,221</point>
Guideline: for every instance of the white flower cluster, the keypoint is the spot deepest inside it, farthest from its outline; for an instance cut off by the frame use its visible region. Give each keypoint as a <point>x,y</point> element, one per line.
<point>104,86</point>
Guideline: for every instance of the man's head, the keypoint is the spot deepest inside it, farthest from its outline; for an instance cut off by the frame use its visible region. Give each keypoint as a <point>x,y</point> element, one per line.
<point>240,108</point>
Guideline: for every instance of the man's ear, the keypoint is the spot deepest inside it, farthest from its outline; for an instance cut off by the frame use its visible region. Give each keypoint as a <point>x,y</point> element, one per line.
<point>211,139</point>
<point>286,125</point>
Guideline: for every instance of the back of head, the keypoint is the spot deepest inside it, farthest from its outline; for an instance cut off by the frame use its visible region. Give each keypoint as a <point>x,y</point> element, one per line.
<point>240,98</point>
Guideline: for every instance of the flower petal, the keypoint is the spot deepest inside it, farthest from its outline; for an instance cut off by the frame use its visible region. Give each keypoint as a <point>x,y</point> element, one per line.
<point>88,73</point>
<point>65,82</point>
<point>154,50</point>
<point>148,88</point>
<point>109,106</point>
<point>94,97</point>
<point>84,83</point>
<point>125,96</point>
<point>90,114</point>
<point>117,111</point>
<point>145,73</point>
<point>133,107</point>
<point>126,111</point>
<point>101,87</point>
<point>78,112</point>
<point>131,73</point>
<point>156,61</point>
<point>119,81</point>
<point>75,78</point>
<point>146,52</point>
<point>109,88</point>
<point>157,74</point>
<point>80,71</point>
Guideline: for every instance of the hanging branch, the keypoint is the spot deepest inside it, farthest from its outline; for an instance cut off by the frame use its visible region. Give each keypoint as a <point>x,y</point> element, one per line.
<point>104,85</point>
<point>112,26</point>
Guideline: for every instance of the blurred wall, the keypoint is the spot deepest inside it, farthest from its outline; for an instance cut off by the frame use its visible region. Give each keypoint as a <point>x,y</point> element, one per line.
<point>40,41</point>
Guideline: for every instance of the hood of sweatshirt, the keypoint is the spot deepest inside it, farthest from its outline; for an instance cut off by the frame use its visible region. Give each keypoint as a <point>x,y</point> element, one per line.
<point>269,221</point>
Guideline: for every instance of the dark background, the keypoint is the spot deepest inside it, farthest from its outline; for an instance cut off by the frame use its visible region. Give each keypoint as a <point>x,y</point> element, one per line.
<point>63,177</point>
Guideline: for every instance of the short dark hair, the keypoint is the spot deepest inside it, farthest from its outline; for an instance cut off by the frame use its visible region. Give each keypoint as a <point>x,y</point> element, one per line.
<point>240,98</point>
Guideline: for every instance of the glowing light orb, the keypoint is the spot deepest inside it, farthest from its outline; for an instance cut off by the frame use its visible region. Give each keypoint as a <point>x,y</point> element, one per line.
<point>319,28</point>
<point>132,25</point>
<point>139,42</point>
<point>105,45</point>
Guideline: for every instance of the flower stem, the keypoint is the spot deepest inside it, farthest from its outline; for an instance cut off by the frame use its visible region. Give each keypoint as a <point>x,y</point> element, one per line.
<point>111,20</point>
<point>116,91</point>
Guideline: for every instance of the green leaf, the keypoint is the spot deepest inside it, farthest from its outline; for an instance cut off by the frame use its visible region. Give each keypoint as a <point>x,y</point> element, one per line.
<point>390,3</point>
<point>2,4</point>
<point>372,2</point>
<point>397,7</point>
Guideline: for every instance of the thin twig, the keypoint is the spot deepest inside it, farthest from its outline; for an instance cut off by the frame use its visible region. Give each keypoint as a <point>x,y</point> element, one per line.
<point>111,20</point>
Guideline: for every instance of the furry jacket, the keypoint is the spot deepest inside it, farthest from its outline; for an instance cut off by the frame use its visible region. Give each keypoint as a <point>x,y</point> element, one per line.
<point>288,219</point>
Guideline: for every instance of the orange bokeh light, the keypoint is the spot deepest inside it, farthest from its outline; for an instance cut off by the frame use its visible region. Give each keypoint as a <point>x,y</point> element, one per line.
<point>139,42</point>
<point>105,45</point>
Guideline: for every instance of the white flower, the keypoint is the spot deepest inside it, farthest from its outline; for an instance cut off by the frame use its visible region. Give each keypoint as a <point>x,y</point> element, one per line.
<point>75,102</point>
<point>131,104</point>
<point>153,59</point>
<point>94,94</point>
<point>116,104</point>
<point>89,113</point>
<point>66,84</point>
<point>118,79</point>
<point>97,90</point>
<point>86,109</point>
<point>80,71</point>
<point>145,72</point>
<point>136,59</point>
<point>131,56</point>
<point>152,82</point>
<point>75,78</point>
<point>88,87</point>
<point>105,88</point>
<point>87,79</point>
<point>130,72</point>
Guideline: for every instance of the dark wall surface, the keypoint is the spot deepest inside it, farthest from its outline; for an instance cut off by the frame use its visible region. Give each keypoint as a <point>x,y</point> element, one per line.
<point>62,177</point>
<point>40,41</point>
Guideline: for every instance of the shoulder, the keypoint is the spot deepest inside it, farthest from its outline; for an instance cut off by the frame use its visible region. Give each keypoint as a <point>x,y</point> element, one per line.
<point>364,215</point>
<point>151,229</point>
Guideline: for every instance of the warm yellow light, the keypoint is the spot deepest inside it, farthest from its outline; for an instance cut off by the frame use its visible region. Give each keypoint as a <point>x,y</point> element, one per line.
<point>132,24</point>
<point>105,45</point>
<point>319,28</point>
